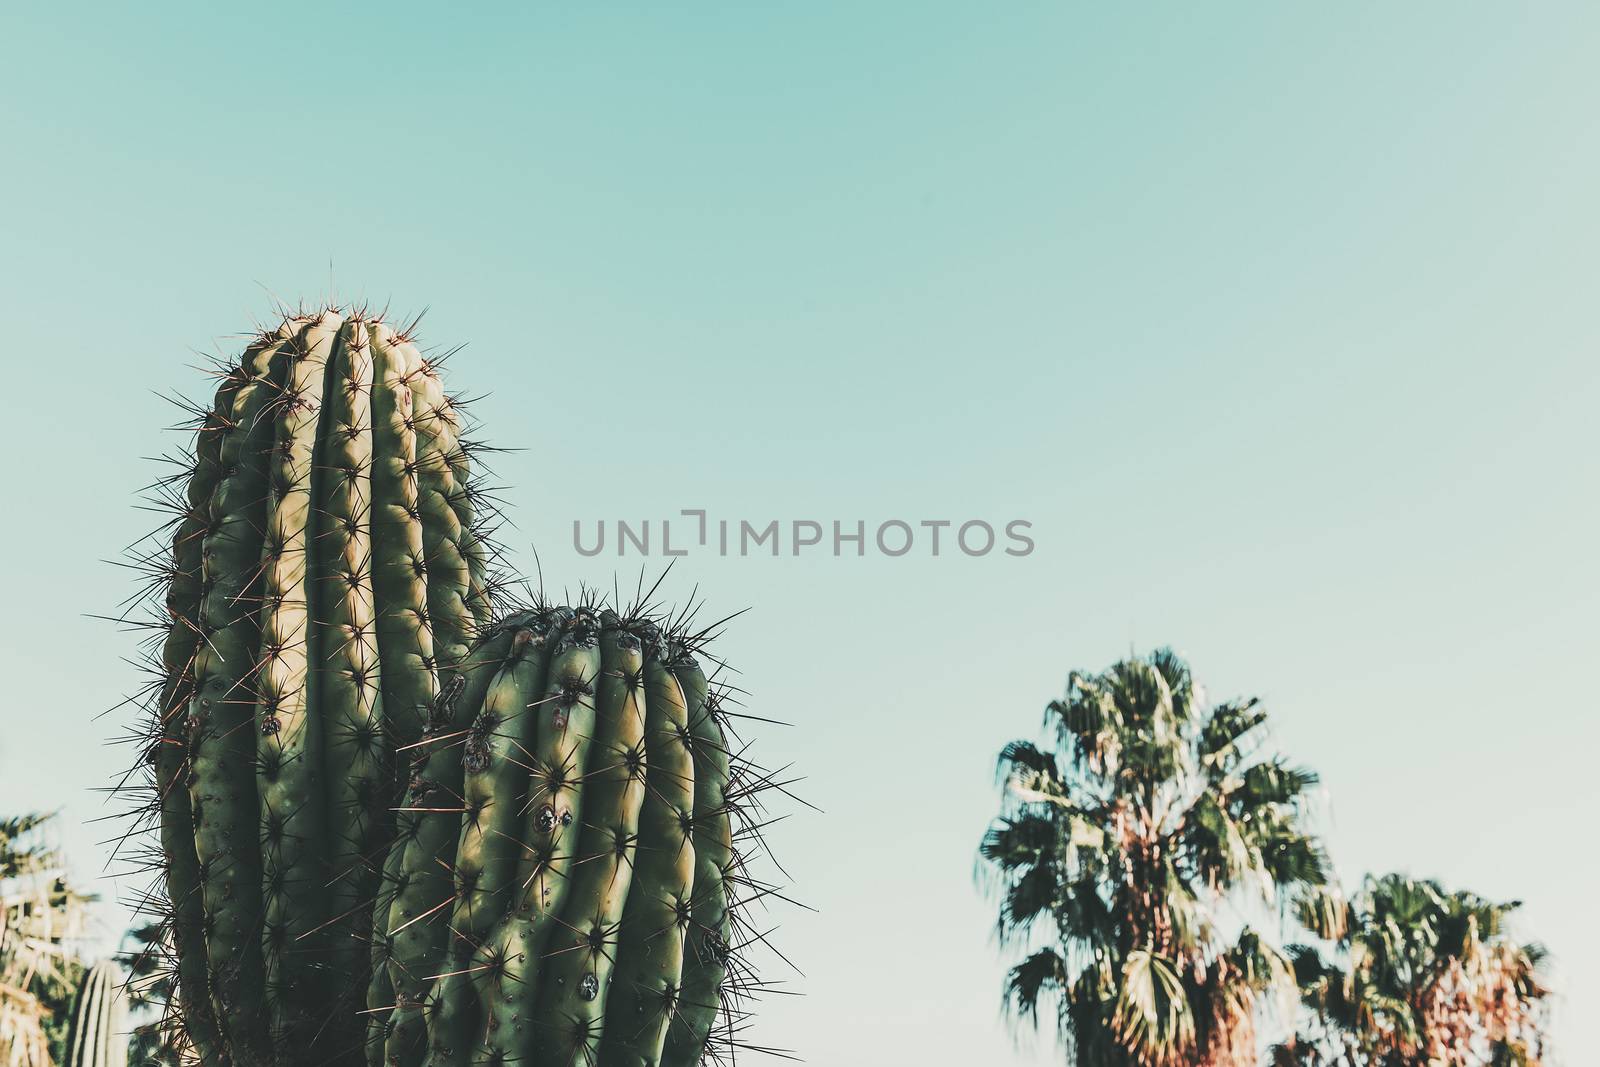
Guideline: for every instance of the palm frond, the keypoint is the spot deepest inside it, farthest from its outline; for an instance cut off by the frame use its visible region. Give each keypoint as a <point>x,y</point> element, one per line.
<point>1042,973</point>
<point>1152,1016</point>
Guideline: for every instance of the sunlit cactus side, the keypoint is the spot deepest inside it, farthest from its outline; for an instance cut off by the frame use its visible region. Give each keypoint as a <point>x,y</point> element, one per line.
<point>99,1036</point>
<point>599,818</point>
<point>326,555</point>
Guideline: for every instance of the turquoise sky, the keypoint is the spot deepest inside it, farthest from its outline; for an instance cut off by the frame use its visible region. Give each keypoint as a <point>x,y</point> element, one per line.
<point>1277,321</point>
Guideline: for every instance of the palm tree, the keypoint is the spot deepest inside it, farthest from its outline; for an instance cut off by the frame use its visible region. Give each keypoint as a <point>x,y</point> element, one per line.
<point>1129,856</point>
<point>41,922</point>
<point>1411,975</point>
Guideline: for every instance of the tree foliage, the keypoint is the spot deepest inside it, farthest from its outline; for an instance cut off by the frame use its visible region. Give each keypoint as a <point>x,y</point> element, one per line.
<point>41,919</point>
<point>1127,849</point>
<point>1409,974</point>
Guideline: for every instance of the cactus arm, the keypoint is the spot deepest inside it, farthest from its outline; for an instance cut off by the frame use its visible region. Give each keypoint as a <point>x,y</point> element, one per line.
<point>407,669</point>
<point>428,829</point>
<point>85,1020</point>
<point>705,963</point>
<point>565,715</point>
<point>552,814</point>
<point>495,757</point>
<point>98,1037</point>
<point>445,513</point>
<point>399,567</point>
<point>445,510</point>
<point>170,756</point>
<point>562,1025</point>
<point>109,1051</point>
<point>288,741</point>
<point>439,417</point>
<point>345,663</point>
<point>380,982</point>
<point>221,715</point>
<point>649,966</point>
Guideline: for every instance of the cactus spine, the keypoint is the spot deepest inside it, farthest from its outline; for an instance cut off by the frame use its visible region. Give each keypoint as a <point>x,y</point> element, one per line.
<point>99,1036</point>
<point>402,825</point>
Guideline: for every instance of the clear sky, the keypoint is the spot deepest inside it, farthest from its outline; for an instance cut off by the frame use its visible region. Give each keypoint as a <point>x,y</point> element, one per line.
<point>1277,322</point>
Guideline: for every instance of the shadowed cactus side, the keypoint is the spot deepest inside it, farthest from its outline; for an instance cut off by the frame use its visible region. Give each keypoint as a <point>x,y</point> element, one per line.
<point>370,775</point>
<point>99,1036</point>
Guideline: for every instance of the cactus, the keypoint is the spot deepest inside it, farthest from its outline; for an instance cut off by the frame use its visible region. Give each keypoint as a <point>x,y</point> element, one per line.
<point>400,823</point>
<point>99,1035</point>
<point>581,764</point>
<point>325,561</point>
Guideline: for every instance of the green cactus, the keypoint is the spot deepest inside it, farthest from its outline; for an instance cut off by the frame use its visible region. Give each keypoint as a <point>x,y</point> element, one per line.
<point>99,1035</point>
<point>589,925</point>
<point>400,824</point>
<point>325,562</point>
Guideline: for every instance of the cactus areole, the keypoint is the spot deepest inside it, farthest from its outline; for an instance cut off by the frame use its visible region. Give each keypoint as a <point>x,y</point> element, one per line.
<point>400,822</point>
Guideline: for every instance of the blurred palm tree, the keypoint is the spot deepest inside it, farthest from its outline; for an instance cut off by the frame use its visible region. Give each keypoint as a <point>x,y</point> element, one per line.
<point>1410,975</point>
<point>1129,856</point>
<point>42,920</point>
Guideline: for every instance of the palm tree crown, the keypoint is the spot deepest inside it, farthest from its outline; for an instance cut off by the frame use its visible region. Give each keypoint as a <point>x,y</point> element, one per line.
<point>1128,854</point>
<point>1411,975</point>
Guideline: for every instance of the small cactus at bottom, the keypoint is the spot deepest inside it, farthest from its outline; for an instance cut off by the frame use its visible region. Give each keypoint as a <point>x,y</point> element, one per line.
<point>590,800</point>
<point>99,1036</point>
